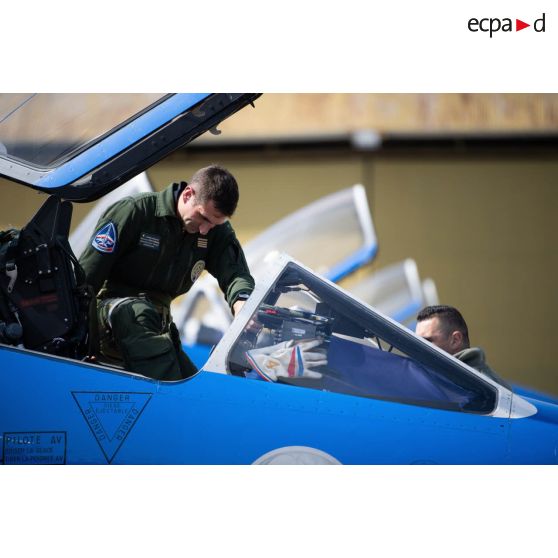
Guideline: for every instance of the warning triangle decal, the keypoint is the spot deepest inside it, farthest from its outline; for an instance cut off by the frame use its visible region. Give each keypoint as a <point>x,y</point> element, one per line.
<point>111,416</point>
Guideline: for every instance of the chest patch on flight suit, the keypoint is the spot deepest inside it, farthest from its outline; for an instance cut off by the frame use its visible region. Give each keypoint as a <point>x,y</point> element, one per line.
<point>105,239</point>
<point>151,241</point>
<point>199,266</point>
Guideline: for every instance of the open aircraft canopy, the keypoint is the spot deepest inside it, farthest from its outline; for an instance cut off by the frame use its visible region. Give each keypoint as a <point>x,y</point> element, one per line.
<point>37,148</point>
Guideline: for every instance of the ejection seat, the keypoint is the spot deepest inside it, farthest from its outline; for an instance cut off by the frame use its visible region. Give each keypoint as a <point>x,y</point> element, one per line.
<point>44,299</point>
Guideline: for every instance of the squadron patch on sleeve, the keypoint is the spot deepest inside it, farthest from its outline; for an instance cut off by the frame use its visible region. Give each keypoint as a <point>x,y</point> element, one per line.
<point>105,239</point>
<point>199,266</point>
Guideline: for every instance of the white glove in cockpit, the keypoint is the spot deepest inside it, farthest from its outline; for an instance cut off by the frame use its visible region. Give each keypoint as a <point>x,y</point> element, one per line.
<point>289,359</point>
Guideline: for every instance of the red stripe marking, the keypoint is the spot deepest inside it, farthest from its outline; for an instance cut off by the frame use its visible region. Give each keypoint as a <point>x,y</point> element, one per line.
<point>292,364</point>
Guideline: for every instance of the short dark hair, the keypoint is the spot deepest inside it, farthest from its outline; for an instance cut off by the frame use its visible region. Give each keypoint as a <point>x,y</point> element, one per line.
<point>218,185</point>
<point>450,319</point>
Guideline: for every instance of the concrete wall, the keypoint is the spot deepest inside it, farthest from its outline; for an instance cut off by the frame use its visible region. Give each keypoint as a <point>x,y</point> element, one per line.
<point>330,113</point>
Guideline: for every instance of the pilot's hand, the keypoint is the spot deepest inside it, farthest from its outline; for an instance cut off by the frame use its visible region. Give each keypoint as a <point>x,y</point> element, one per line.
<point>289,359</point>
<point>237,306</point>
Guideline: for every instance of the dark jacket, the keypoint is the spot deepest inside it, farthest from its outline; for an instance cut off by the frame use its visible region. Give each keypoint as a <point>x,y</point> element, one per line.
<point>475,358</point>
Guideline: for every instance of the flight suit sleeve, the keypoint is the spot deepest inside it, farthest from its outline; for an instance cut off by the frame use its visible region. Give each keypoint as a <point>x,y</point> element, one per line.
<point>227,263</point>
<point>115,233</point>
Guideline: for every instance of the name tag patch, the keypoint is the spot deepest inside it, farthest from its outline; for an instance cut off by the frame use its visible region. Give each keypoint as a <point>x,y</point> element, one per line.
<point>151,241</point>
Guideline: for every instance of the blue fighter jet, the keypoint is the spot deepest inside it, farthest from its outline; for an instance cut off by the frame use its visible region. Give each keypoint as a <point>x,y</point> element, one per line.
<point>306,372</point>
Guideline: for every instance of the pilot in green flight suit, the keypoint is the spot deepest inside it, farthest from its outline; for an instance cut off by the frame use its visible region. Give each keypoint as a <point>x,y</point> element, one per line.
<point>150,248</point>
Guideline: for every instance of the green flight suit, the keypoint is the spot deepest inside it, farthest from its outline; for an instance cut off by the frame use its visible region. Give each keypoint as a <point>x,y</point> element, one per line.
<point>141,252</point>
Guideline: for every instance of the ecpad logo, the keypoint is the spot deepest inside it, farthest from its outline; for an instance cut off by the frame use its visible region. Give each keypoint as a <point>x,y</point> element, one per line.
<point>494,24</point>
